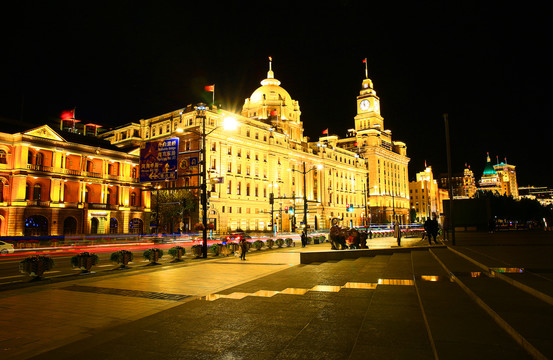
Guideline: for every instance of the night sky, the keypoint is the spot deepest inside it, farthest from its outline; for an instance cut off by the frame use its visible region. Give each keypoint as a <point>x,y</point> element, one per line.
<point>484,65</point>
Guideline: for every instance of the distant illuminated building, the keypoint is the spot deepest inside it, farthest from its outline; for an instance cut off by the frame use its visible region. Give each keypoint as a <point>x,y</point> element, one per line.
<point>500,179</point>
<point>508,177</point>
<point>541,193</point>
<point>426,198</point>
<point>464,184</point>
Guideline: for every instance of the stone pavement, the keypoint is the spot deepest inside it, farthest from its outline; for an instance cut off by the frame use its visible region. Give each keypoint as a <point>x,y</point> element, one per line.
<point>431,302</point>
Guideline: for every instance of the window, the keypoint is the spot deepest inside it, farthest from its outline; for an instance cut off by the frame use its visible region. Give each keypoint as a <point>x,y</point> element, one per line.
<point>229,187</point>
<point>229,167</point>
<point>37,192</point>
<point>229,150</point>
<point>3,157</point>
<point>248,132</point>
<point>39,159</point>
<point>239,168</point>
<point>239,188</point>
<point>256,136</point>
<point>239,152</point>
<point>248,189</point>
<point>213,164</point>
<point>153,132</point>
<point>213,146</point>
<point>133,199</point>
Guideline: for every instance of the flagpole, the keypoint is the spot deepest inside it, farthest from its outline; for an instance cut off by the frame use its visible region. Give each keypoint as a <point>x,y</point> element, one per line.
<point>213,96</point>
<point>366,69</point>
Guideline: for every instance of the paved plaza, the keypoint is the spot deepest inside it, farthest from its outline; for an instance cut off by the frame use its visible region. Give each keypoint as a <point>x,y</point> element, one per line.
<point>488,297</point>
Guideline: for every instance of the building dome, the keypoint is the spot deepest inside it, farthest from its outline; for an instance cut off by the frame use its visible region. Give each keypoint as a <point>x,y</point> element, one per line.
<point>488,169</point>
<point>270,99</point>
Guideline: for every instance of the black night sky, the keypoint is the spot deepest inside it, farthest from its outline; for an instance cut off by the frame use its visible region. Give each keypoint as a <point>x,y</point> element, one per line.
<point>485,65</point>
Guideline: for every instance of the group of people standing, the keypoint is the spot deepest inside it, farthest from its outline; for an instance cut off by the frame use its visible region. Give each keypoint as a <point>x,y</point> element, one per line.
<point>431,228</point>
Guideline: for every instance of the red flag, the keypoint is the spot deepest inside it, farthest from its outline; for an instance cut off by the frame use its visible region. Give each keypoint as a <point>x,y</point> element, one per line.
<point>364,60</point>
<point>209,88</point>
<point>325,131</point>
<point>68,114</point>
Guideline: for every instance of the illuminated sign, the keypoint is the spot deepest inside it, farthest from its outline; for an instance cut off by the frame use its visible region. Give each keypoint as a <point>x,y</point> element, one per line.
<point>158,160</point>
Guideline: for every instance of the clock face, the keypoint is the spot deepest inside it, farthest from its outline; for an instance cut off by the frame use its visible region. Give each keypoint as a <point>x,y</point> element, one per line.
<point>364,105</point>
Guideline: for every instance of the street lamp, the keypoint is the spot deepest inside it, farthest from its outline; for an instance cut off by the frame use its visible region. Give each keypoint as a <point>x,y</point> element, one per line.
<point>305,172</point>
<point>229,123</point>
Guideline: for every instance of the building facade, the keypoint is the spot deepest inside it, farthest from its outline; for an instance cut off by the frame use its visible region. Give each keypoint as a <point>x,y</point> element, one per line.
<point>426,198</point>
<point>268,156</point>
<point>500,179</point>
<point>58,183</point>
<point>464,184</point>
<point>388,186</point>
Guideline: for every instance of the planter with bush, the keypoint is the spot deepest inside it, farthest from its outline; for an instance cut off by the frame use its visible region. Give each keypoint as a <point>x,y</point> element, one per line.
<point>84,261</point>
<point>177,253</point>
<point>258,244</point>
<point>153,255</point>
<point>270,243</point>
<point>35,266</point>
<point>215,249</point>
<point>288,242</point>
<point>197,250</point>
<point>122,257</point>
<point>279,243</point>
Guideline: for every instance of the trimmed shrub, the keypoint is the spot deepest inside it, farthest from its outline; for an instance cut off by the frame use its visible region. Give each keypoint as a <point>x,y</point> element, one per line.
<point>270,243</point>
<point>258,244</point>
<point>288,242</point>
<point>279,242</point>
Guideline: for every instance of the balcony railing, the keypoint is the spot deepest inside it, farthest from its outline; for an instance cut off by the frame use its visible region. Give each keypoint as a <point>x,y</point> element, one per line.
<point>73,172</point>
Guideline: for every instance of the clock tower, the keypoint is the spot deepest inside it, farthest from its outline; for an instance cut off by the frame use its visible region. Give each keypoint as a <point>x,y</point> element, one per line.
<point>368,108</point>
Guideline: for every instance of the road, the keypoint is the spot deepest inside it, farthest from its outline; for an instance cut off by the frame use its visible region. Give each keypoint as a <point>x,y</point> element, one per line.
<point>9,264</point>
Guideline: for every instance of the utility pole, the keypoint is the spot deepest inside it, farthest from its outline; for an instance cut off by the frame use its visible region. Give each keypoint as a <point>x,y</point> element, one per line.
<point>304,199</point>
<point>450,188</point>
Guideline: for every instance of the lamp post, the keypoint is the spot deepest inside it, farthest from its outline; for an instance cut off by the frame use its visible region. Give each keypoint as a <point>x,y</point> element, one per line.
<point>272,185</point>
<point>228,124</point>
<point>304,173</point>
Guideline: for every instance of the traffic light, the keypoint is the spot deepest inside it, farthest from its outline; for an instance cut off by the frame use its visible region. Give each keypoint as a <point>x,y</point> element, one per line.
<point>349,207</point>
<point>291,210</point>
<point>271,198</point>
<point>286,208</point>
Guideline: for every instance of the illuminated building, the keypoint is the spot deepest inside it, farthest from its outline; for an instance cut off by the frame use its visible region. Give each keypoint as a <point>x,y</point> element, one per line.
<point>267,154</point>
<point>387,159</point>
<point>57,182</point>
<point>500,178</point>
<point>426,198</point>
<point>464,184</point>
<point>508,177</point>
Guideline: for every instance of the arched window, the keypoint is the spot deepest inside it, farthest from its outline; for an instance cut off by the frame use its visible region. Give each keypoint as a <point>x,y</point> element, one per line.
<point>133,199</point>
<point>3,157</point>
<point>37,190</point>
<point>133,173</point>
<point>86,195</point>
<point>29,157</point>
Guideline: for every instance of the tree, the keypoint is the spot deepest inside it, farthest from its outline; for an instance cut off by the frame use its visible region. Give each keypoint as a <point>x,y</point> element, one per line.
<point>173,206</point>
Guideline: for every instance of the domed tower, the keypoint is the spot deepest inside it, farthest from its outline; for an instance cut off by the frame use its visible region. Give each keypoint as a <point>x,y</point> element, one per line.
<point>490,180</point>
<point>272,104</point>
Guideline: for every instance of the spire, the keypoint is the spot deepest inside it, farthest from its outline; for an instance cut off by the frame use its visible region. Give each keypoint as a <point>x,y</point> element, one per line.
<point>270,73</point>
<point>488,157</point>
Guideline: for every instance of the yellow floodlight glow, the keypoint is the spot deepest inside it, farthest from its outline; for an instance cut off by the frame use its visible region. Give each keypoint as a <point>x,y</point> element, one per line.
<point>230,123</point>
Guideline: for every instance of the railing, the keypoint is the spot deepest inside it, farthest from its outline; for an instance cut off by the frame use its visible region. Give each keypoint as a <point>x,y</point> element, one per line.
<point>73,172</point>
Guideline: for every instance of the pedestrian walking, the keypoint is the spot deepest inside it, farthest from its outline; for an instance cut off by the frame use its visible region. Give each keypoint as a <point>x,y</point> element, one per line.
<point>433,228</point>
<point>303,238</point>
<point>243,248</point>
<point>397,233</point>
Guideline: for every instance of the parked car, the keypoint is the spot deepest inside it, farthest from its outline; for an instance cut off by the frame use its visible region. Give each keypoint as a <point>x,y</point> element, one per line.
<point>6,248</point>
